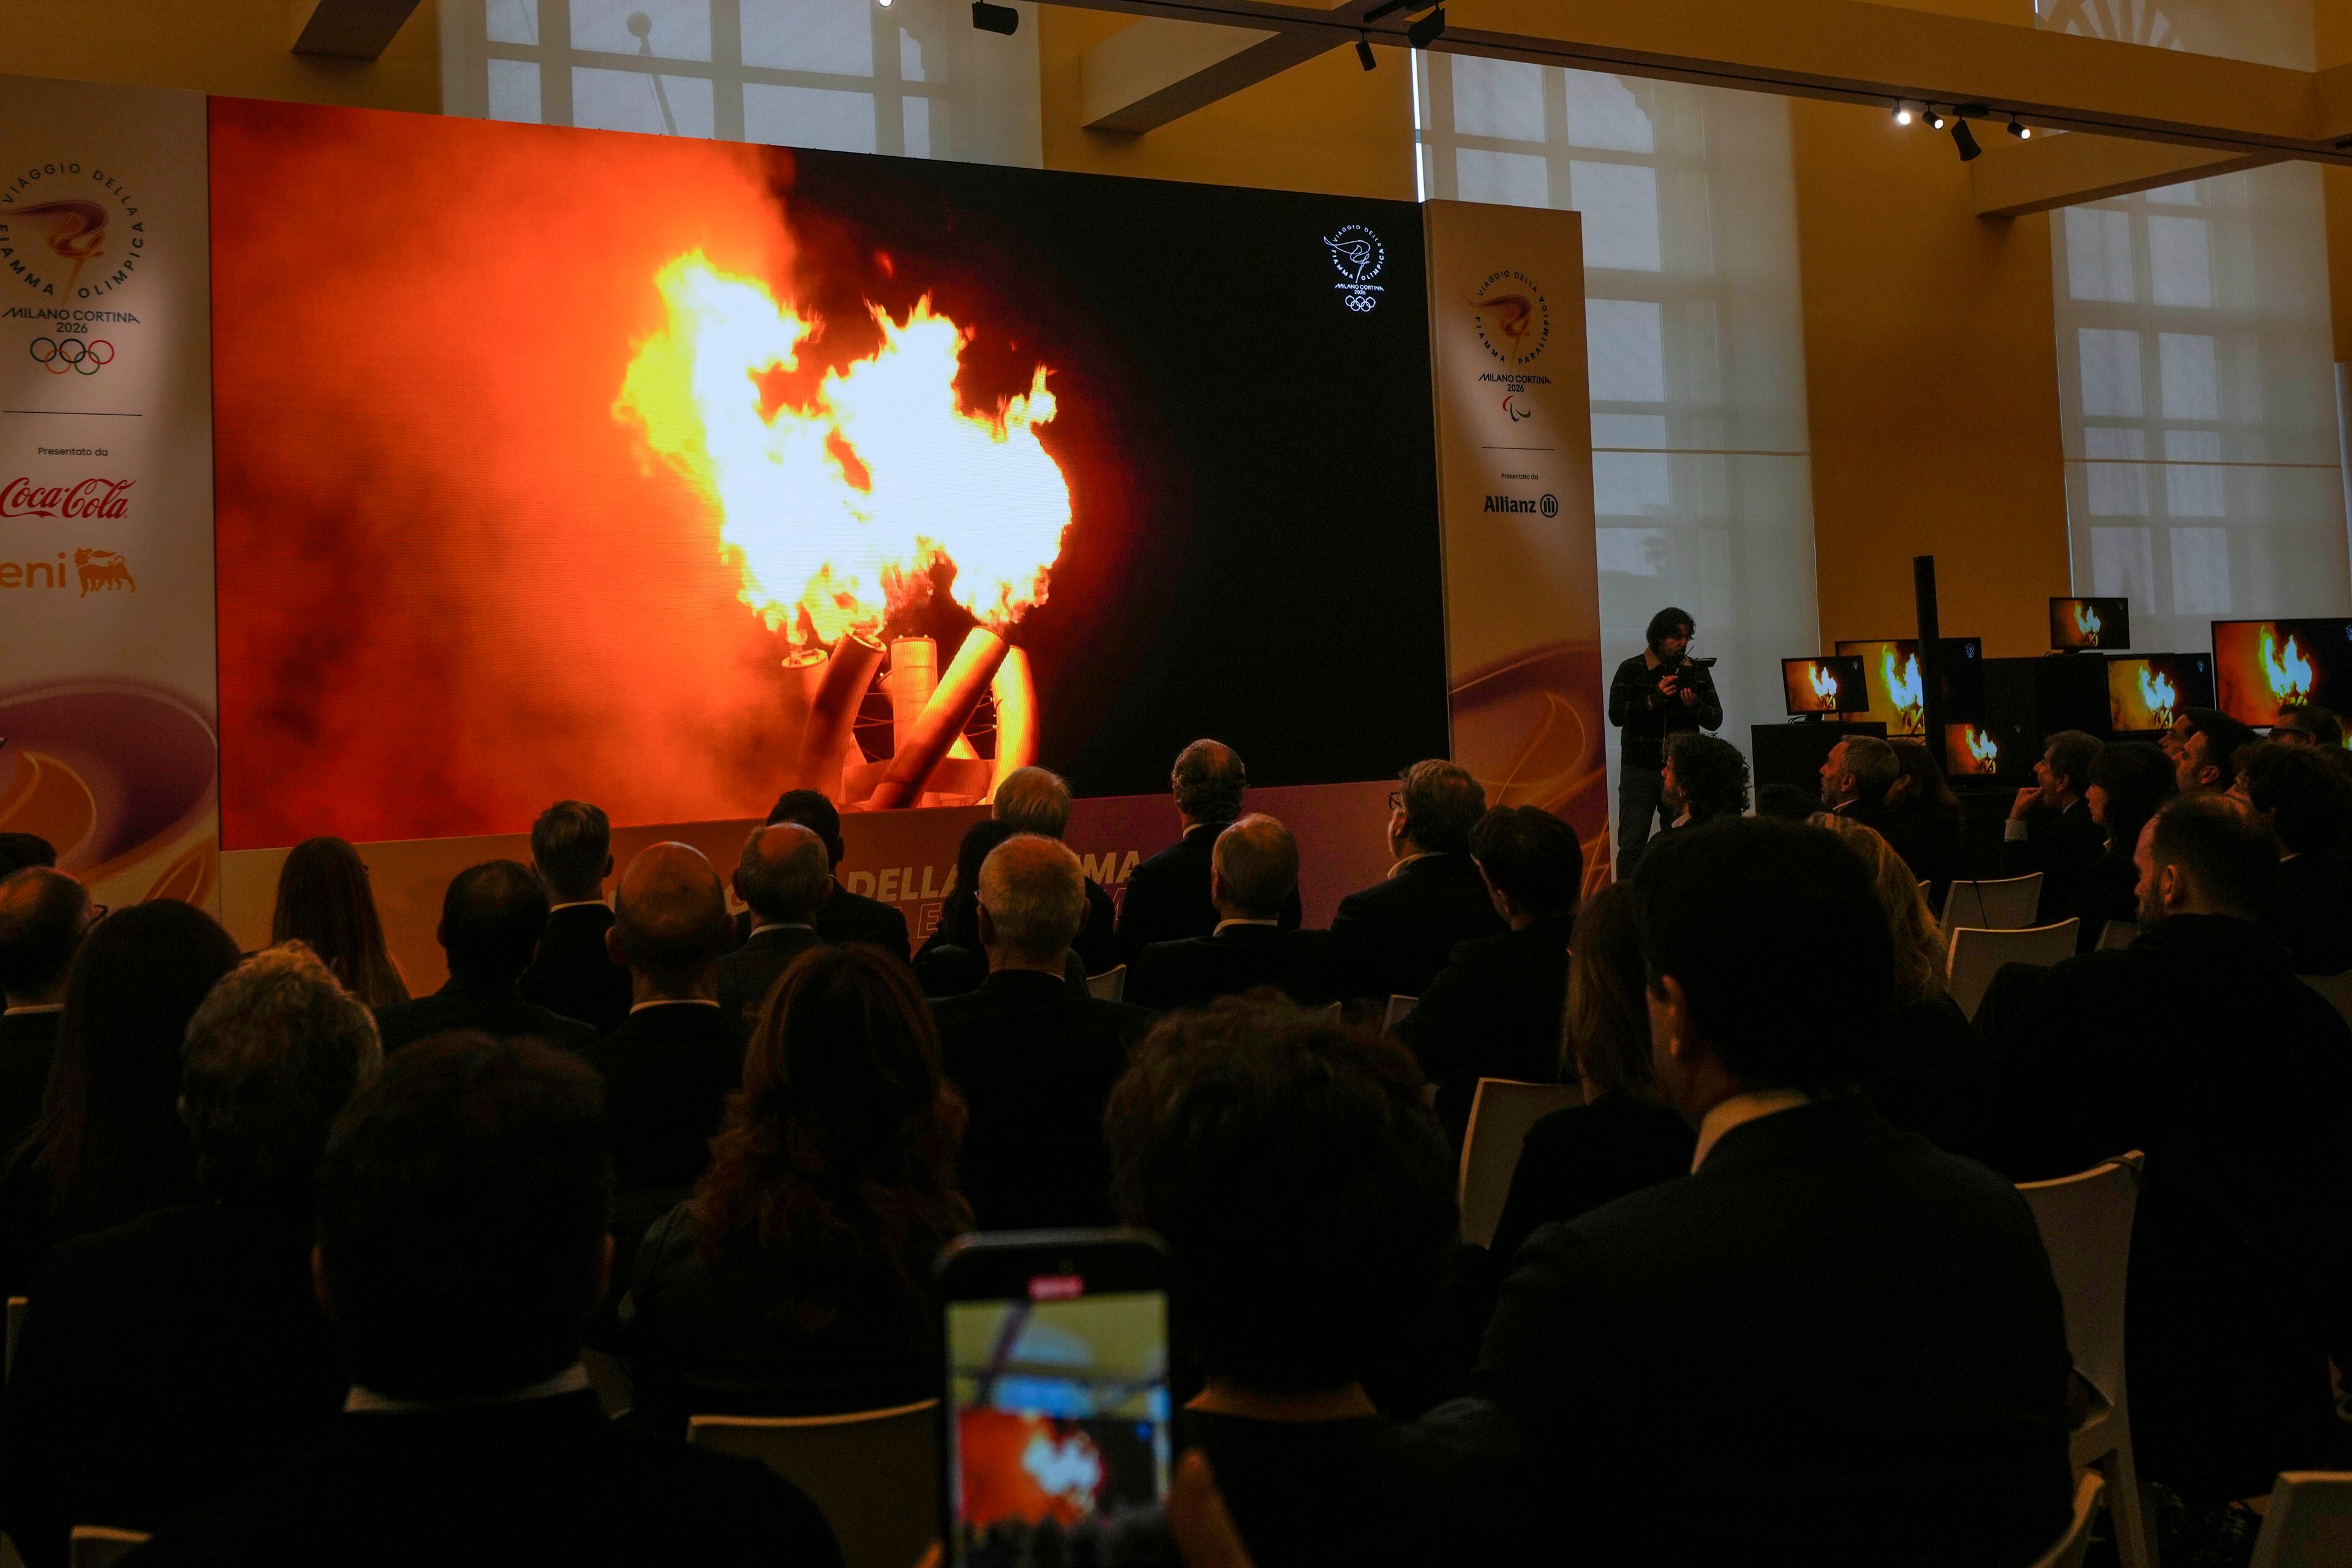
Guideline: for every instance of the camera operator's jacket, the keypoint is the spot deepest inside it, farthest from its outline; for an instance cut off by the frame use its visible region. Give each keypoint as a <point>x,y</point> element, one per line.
<point>1647,718</point>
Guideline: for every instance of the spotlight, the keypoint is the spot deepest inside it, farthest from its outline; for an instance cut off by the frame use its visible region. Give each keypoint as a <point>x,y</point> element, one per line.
<point>883,4</point>
<point>1364,52</point>
<point>1965,140</point>
<point>1936,121</point>
<point>1423,33</point>
<point>1902,113</point>
<point>991,18</point>
<point>2022,132</point>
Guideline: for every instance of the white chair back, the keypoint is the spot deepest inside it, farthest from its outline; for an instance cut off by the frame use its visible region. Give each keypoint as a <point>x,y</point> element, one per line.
<point>1398,1008</point>
<point>2309,1524</point>
<point>873,1474</point>
<point>1977,956</point>
<point>2075,1544</point>
<point>2336,988</point>
<point>2119,933</point>
<point>2086,1224</point>
<point>2008,904</point>
<point>1500,1114</point>
<point>1110,985</point>
<point>97,1545</point>
<point>609,1376</point>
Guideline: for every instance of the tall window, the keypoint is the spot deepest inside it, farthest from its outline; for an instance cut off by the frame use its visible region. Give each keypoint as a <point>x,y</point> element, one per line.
<point>913,77</point>
<point>1701,473</point>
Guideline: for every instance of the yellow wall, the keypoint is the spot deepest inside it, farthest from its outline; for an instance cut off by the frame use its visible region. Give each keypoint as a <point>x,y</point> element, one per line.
<point>239,48</point>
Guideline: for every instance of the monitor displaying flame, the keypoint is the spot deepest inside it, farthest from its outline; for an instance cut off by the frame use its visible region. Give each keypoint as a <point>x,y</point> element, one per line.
<point>1970,751</point>
<point>2260,667</point>
<point>2146,692</point>
<point>1827,685</point>
<point>2103,623</point>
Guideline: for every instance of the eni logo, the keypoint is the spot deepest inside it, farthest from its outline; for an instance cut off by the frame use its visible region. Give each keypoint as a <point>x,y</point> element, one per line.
<point>103,570</point>
<point>1513,318</point>
<point>1359,255</point>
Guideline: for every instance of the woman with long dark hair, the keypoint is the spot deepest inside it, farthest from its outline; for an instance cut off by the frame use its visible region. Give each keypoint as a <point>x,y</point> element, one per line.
<point>796,1280</point>
<point>325,900</point>
<point>2130,781</point>
<point>109,1146</point>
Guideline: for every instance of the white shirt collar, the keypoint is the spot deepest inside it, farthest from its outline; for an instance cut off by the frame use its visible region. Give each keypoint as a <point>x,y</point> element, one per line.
<point>34,1007</point>
<point>782,925</point>
<point>675,1002</point>
<point>1424,855</point>
<point>579,904</point>
<point>1221,925</point>
<point>571,1379</point>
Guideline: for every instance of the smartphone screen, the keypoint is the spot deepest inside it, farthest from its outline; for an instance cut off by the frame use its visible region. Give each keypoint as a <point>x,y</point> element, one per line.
<point>1059,1417</point>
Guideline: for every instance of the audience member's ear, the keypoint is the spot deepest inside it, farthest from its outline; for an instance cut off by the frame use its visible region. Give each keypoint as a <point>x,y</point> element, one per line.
<point>326,1298</point>
<point>614,949</point>
<point>987,926</point>
<point>1216,886</point>
<point>1670,1042</point>
<point>608,865</point>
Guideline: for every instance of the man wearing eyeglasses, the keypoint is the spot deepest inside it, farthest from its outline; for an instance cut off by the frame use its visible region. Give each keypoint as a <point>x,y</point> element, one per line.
<point>1658,692</point>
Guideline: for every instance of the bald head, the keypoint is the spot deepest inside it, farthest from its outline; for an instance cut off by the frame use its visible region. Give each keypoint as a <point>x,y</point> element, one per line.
<point>1033,900</point>
<point>1209,779</point>
<point>1253,869</point>
<point>43,914</point>
<point>785,873</point>
<point>669,922</point>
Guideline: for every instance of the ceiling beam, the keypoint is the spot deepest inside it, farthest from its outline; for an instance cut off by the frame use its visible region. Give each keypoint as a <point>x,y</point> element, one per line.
<point>349,29</point>
<point>2014,178</point>
<point>1158,69</point>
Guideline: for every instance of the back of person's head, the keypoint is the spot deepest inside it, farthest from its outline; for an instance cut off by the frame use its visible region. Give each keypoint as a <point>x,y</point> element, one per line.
<point>2216,850</point>
<point>1209,781</point>
<point>462,1208</point>
<point>1255,863</point>
<point>1786,801</point>
<point>2304,724</point>
<point>1442,803</point>
<point>571,845</point>
<point>2132,778</point>
<point>669,916</point>
<point>1710,773</point>
<point>274,1054</point>
<point>325,901</point>
<point>110,1136</point>
<point>959,918</point>
<point>1870,764</point>
<point>1531,857</point>
<point>491,919</point>
<point>784,872</point>
<point>18,850</point>
<point>2210,748</point>
<point>814,811</point>
<point>1300,1181</point>
<point>2069,755</point>
<point>1744,913</point>
<point>839,1155</point>
<point>1919,943</point>
<point>1919,783</point>
<point>2306,796</point>
<point>1606,1034</point>
<point>1666,623</point>
<point>1033,898</point>
<point>43,914</point>
<point>1033,801</point>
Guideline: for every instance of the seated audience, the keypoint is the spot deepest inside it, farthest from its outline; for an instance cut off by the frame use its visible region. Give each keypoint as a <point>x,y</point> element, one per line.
<point>1856,777</point>
<point>951,961</point>
<point>1832,1344</point>
<point>1702,777</point>
<point>1787,802</point>
<point>324,903</point>
<point>2203,744</point>
<point>43,914</point>
<point>1035,1061</point>
<point>571,851</point>
<point>1394,937</point>
<point>1307,1200</point>
<point>18,850</point>
<point>1625,1137</point>
<point>109,1146</point>
<point>842,916</point>
<point>2050,829</point>
<point>2301,724</point>
<point>1494,1010</point>
<point>781,876</point>
<point>2130,780</point>
<point>168,1359</point>
<point>1923,820</point>
<point>491,918</point>
<point>1168,897</point>
<point>1253,879</point>
<point>796,1281</point>
<point>668,1070</point>
<point>2199,1045</point>
<point>461,1244</point>
<point>2306,801</point>
<point>1032,800</point>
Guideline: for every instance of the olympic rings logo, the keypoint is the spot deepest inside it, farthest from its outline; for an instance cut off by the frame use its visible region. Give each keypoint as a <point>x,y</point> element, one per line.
<point>60,355</point>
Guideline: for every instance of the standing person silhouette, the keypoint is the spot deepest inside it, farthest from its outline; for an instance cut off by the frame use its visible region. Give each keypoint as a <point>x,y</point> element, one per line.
<point>1658,692</point>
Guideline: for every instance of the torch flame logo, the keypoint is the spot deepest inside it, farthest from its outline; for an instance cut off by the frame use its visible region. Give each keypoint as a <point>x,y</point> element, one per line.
<point>835,511</point>
<point>1903,688</point>
<point>2288,671</point>
<point>2157,695</point>
<point>1984,749</point>
<point>1825,685</point>
<point>2087,622</point>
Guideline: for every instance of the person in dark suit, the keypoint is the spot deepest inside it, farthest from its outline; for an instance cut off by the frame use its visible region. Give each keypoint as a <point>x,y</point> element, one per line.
<point>841,915</point>
<point>1856,776</point>
<point>783,875</point>
<point>571,851</point>
<point>668,1070</point>
<point>2130,780</point>
<point>2050,829</point>
<point>2306,800</point>
<point>1923,820</point>
<point>1494,1011</point>
<point>43,914</point>
<point>1168,897</point>
<point>1032,800</point>
<point>2203,744</point>
<point>1253,878</point>
<point>1395,937</point>
<point>491,918</point>
<point>1831,1343</point>
<point>2198,1046</point>
<point>166,1359</point>
<point>1035,1061</point>
<point>461,1244</point>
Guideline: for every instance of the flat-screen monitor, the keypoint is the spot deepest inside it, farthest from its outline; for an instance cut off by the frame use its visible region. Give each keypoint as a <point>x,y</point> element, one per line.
<point>2145,691</point>
<point>2261,666</point>
<point>1826,684</point>
<point>2090,623</point>
<point>1898,692</point>
<point>1988,752</point>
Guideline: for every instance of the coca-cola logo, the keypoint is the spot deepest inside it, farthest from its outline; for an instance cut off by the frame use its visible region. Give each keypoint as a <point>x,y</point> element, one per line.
<point>86,499</point>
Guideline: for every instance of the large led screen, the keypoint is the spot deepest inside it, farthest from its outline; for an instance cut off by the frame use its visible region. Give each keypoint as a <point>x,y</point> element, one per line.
<point>667,474</point>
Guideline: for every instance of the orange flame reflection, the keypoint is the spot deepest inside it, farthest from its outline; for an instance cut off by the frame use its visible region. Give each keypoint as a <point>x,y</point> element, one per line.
<point>1903,690</point>
<point>2287,670</point>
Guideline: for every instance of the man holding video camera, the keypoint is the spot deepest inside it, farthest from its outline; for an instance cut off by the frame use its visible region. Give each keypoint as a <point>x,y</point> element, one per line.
<point>1658,692</point>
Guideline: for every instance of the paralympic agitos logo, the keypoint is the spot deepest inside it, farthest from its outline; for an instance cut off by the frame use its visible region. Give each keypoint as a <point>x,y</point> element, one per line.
<point>92,498</point>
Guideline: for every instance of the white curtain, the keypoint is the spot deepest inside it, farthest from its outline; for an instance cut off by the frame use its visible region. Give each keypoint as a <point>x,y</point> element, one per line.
<point>913,77</point>
<point>1702,474</point>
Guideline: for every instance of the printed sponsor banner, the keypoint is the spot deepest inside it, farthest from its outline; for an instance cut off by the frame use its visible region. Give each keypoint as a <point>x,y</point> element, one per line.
<point>1515,477</point>
<point>107,695</point>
